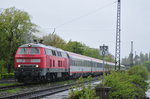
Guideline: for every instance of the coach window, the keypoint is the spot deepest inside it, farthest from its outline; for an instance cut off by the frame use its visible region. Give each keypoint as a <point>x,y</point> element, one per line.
<point>23,51</point>
<point>82,63</point>
<point>101,65</point>
<point>94,64</point>
<point>71,62</point>
<point>34,51</point>
<point>75,63</point>
<point>88,64</point>
<point>64,55</point>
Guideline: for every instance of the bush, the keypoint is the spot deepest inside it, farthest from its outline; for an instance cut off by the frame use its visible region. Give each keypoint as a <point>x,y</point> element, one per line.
<point>140,85</point>
<point>7,75</point>
<point>81,92</point>
<point>2,66</point>
<point>127,85</point>
<point>121,88</point>
<point>139,70</point>
<point>4,70</point>
<point>147,65</point>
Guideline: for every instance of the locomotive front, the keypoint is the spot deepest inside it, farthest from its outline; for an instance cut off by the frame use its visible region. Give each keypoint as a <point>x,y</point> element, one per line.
<point>28,62</point>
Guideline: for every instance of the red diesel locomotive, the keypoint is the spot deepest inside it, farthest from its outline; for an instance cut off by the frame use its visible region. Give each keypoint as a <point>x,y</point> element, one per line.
<point>38,62</point>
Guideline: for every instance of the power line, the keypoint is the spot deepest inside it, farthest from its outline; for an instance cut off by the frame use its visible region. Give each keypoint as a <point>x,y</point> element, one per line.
<point>85,15</point>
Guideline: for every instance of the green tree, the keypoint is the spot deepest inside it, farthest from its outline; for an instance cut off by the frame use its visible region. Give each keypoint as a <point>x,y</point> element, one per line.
<point>76,47</point>
<point>139,70</point>
<point>15,28</point>
<point>147,65</point>
<point>80,48</point>
<point>142,58</point>
<point>136,60</point>
<point>80,91</point>
<point>92,52</point>
<point>54,40</point>
<point>129,84</point>
<point>146,57</point>
<point>73,46</point>
<point>121,87</point>
<point>109,58</point>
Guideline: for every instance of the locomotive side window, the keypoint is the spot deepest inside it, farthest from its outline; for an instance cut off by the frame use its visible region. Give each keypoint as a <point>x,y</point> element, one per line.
<point>59,54</point>
<point>48,52</point>
<point>54,53</point>
<point>59,63</point>
<point>53,63</point>
<point>34,51</point>
<point>23,51</point>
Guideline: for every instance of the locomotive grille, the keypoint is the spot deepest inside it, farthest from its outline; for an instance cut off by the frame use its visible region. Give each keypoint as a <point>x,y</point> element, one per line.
<point>28,60</point>
<point>28,65</point>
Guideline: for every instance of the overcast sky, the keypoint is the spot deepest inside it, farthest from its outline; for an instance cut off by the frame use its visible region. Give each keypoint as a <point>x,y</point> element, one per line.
<point>92,22</point>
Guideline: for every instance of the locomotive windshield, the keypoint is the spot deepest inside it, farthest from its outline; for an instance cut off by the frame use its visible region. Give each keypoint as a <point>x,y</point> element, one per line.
<point>34,51</point>
<point>23,51</point>
<point>26,51</point>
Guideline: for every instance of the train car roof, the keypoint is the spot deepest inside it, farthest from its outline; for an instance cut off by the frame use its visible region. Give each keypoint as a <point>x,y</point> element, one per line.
<point>42,45</point>
<point>78,56</point>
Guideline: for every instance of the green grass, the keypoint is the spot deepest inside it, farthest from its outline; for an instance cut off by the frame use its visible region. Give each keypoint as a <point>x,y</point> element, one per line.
<point>13,90</point>
<point>7,84</point>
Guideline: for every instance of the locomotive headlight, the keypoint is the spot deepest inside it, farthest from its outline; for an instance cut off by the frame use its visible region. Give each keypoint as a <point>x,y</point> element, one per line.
<point>37,66</point>
<point>19,65</point>
<point>29,45</point>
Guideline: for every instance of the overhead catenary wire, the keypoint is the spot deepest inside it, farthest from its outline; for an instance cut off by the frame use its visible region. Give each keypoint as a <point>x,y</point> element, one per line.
<point>85,15</point>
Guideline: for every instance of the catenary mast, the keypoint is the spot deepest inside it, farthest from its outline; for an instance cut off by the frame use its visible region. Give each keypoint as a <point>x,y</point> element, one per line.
<point>118,29</point>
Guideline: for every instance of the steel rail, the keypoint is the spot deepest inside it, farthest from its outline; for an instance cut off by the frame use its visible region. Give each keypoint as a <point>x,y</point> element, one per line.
<point>39,93</point>
<point>2,88</point>
<point>42,92</point>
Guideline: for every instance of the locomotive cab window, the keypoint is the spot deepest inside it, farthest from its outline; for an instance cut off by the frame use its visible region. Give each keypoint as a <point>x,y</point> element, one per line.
<point>23,51</point>
<point>34,51</point>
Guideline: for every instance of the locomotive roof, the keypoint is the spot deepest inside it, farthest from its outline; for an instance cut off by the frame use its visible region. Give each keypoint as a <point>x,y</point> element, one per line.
<point>42,45</point>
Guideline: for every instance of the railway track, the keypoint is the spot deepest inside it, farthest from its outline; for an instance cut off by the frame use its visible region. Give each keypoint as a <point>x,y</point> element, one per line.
<point>41,92</point>
<point>2,88</point>
<point>8,81</point>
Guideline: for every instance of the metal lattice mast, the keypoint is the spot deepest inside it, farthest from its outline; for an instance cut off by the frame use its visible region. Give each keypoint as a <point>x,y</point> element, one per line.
<point>118,29</point>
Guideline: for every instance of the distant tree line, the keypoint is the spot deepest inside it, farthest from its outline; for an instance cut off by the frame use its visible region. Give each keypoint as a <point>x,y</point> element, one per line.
<point>141,59</point>
<point>16,28</point>
<point>74,46</point>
